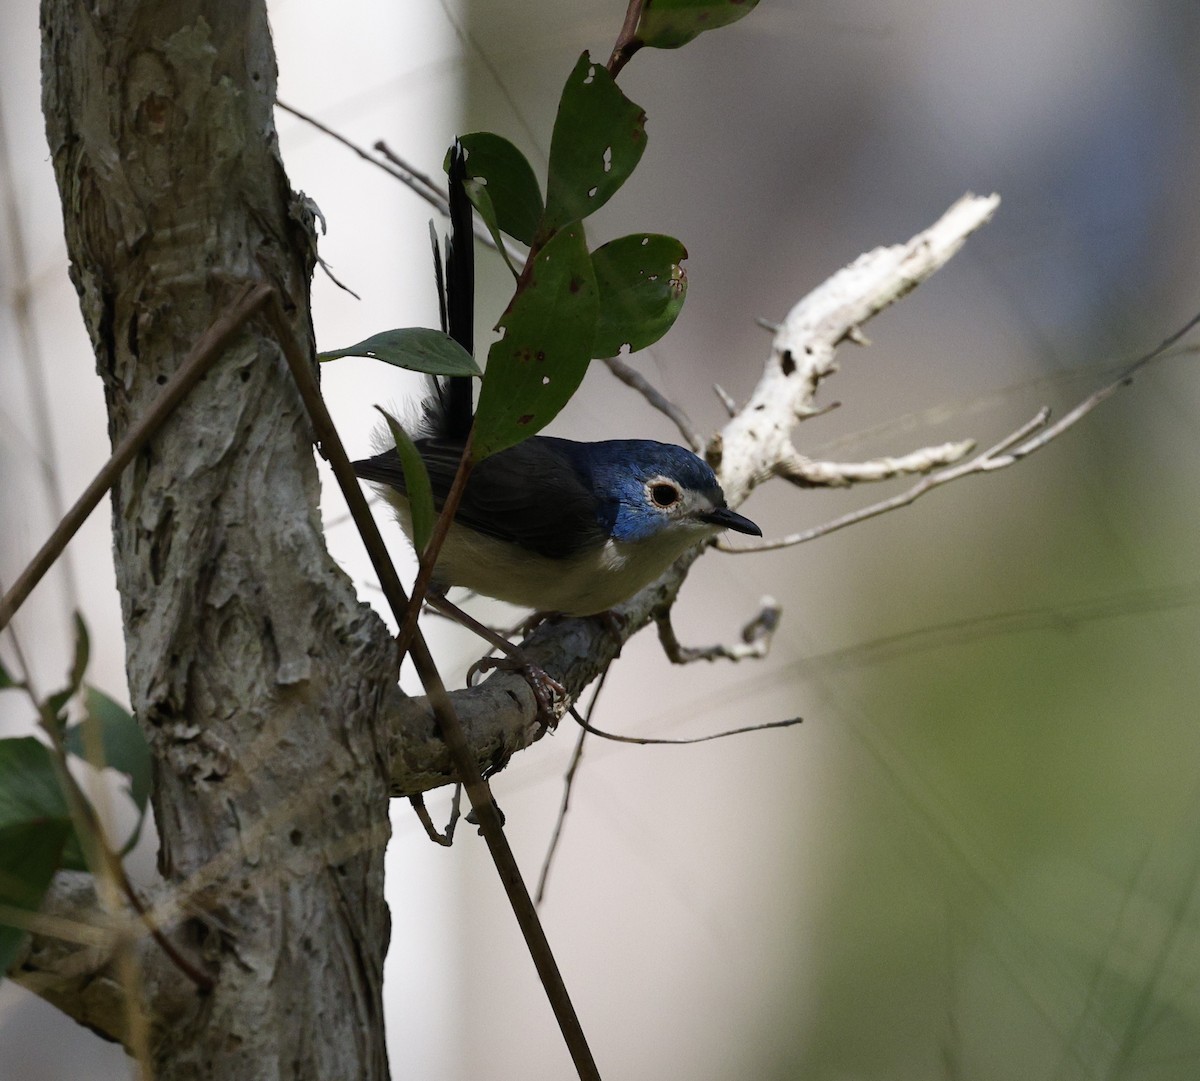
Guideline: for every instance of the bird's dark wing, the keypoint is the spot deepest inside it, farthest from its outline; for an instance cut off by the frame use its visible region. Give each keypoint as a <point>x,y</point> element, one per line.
<point>530,495</point>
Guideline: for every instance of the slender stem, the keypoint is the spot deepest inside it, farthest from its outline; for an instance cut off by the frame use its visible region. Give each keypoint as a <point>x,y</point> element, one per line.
<point>210,345</point>
<point>627,40</point>
<point>631,377</point>
<point>568,787</point>
<point>486,812</point>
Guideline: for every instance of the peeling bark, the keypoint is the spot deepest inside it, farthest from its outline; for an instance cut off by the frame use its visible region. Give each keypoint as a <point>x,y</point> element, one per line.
<point>253,669</point>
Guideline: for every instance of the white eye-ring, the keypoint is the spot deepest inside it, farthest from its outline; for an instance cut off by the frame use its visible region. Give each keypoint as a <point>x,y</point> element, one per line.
<point>663,493</point>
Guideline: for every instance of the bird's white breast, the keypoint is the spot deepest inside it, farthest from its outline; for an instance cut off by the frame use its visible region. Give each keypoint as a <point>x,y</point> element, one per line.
<point>583,584</point>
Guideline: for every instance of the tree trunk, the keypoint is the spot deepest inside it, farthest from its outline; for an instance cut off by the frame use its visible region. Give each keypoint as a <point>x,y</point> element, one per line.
<point>253,670</point>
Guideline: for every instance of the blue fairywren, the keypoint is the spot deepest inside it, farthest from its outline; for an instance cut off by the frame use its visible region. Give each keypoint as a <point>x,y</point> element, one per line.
<point>550,524</point>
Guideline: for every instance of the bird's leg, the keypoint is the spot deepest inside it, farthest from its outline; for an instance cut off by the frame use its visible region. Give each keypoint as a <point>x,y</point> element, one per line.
<point>543,685</point>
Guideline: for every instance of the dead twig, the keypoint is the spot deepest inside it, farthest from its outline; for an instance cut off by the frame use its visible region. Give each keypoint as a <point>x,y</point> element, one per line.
<point>632,378</point>
<point>755,644</point>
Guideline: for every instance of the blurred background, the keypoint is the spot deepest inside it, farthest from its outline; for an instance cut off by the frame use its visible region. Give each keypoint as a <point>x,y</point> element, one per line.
<point>978,856</point>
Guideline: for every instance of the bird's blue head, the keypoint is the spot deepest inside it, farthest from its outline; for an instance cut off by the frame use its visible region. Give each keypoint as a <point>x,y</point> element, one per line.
<point>644,489</point>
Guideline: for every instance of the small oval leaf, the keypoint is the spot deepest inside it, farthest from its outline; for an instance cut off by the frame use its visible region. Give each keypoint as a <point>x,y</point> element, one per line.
<point>511,186</point>
<point>668,24</point>
<point>642,288</point>
<point>541,359</point>
<point>599,136</point>
<point>482,202</point>
<point>419,349</point>
<point>418,490</point>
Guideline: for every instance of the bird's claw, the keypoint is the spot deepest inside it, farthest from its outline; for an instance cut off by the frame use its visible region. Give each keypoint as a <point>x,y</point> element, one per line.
<point>544,686</point>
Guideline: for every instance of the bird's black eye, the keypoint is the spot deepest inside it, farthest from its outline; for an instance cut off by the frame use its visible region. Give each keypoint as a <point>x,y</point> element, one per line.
<point>664,495</point>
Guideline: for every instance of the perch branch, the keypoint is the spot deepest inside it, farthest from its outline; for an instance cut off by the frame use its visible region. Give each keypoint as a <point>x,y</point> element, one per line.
<point>500,713</point>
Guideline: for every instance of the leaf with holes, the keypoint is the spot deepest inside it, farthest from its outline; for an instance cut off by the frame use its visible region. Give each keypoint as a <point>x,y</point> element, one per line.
<point>419,349</point>
<point>642,288</point>
<point>668,24</point>
<point>507,177</point>
<point>549,327</point>
<point>599,136</point>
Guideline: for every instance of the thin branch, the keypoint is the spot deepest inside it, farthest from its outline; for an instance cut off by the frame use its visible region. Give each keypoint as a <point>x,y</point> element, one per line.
<point>249,299</point>
<point>807,473</point>
<point>428,557</point>
<point>568,787</point>
<point>419,180</point>
<point>755,644</point>
<point>444,839</point>
<point>646,741</point>
<point>633,378</point>
<point>627,42</point>
<point>453,733</point>
<point>992,459</point>
<point>1106,391</point>
<point>726,399</point>
<point>1011,449</point>
<point>418,183</point>
<point>413,179</point>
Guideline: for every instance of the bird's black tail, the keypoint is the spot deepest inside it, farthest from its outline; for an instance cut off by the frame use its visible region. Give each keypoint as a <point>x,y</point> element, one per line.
<point>449,409</point>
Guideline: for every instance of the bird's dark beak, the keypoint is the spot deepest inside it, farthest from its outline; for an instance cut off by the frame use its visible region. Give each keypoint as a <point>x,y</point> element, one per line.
<point>730,519</point>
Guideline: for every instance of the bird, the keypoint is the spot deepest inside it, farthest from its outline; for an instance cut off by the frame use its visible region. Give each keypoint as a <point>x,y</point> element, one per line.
<point>563,526</point>
<point>557,525</point>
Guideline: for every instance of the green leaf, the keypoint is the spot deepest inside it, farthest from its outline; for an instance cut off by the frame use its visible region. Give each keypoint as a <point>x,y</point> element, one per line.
<point>642,288</point>
<point>30,792</point>
<point>668,24</point>
<point>418,349</point>
<point>507,177</point>
<point>29,789</point>
<point>599,136</point>
<point>30,853</point>
<point>120,740</point>
<point>123,746</point>
<point>549,328</point>
<point>416,483</point>
<point>482,202</point>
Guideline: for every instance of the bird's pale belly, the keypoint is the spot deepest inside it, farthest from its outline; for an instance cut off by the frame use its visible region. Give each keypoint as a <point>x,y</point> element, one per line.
<point>584,584</point>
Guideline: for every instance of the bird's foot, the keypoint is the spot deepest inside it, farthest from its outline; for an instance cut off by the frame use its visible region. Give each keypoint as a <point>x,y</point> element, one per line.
<point>544,686</point>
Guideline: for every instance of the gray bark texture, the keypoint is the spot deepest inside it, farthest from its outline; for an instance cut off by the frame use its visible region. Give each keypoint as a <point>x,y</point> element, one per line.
<point>267,692</point>
<point>253,669</point>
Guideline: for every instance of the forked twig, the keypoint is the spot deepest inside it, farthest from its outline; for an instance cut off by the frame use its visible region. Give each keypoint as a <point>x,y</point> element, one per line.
<point>755,644</point>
